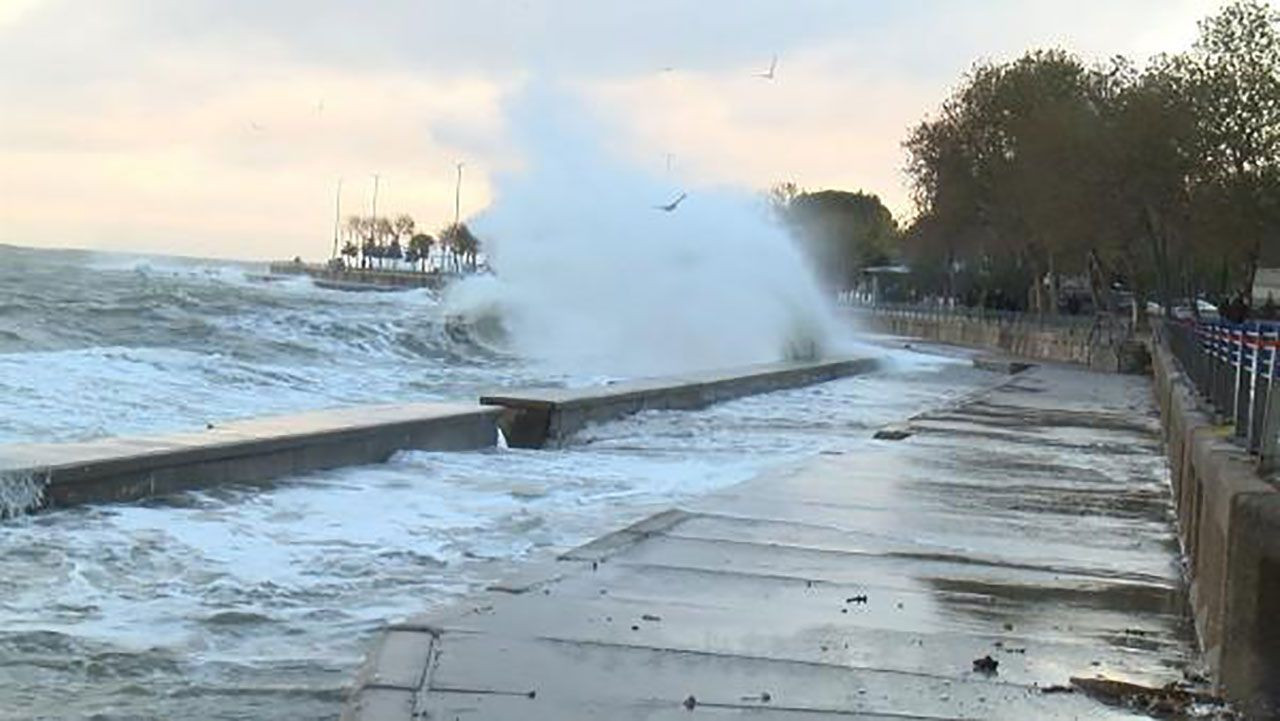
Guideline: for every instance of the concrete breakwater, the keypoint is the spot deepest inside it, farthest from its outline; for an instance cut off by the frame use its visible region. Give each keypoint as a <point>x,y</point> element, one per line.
<point>262,449</point>
<point>537,417</point>
<point>39,475</point>
<point>1229,524</point>
<point>1097,343</point>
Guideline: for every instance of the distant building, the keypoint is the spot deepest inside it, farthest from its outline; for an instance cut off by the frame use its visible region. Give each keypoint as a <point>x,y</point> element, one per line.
<point>881,283</point>
<point>1266,284</point>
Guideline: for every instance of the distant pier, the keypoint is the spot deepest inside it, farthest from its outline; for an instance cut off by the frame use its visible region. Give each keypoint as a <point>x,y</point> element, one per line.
<point>363,279</point>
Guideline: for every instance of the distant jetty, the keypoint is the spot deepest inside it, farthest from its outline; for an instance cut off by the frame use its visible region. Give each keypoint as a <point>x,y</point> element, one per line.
<point>338,277</point>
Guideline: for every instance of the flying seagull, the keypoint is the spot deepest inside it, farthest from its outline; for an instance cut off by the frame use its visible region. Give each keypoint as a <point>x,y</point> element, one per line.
<point>672,205</point>
<point>254,126</point>
<point>772,67</point>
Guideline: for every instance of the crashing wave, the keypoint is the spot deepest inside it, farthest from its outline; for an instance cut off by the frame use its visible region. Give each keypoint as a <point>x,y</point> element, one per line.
<point>475,315</point>
<point>21,492</point>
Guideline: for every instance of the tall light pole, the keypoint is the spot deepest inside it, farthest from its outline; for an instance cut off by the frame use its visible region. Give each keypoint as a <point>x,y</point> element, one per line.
<point>376,178</point>
<point>457,196</point>
<point>337,219</point>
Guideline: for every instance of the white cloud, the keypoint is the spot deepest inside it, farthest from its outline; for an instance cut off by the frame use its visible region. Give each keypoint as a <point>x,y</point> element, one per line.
<point>131,123</point>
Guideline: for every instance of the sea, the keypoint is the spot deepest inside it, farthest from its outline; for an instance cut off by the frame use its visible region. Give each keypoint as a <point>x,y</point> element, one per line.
<point>260,602</point>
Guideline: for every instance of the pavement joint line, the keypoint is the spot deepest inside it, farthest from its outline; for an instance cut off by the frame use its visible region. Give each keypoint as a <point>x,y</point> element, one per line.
<point>611,544</point>
<point>483,692</point>
<point>1135,578</point>
<point>966,398</point>
<point>781,661</point>
<point>784,577</point>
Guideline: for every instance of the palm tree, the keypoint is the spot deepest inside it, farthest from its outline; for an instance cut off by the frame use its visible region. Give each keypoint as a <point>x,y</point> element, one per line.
<point>380,231</point>
<point>420,245</point>
<point>463,243</point>
<point>393,250</point>
<point>355,231</point>
<point>403,225</point>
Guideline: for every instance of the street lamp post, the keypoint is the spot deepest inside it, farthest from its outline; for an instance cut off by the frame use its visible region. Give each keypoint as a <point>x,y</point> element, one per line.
<point>457,196</point>
<point>337,219</point>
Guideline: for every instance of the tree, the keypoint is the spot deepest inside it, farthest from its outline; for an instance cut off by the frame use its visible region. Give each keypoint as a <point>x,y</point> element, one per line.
<point>357,227</point>
<point>463,245</point>
<point>350,250</point>
<point>420,246</point>
<point>843,232</point>
<point>403,226</point>
<point>393,250</point>
<point>1234,83</point>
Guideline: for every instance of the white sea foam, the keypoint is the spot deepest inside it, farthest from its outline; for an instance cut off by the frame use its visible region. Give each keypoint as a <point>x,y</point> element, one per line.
<point>21,492</point>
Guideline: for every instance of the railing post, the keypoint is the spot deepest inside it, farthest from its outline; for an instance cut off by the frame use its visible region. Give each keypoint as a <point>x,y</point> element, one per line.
<point>1269,443</point>
<point>1238,396</point>
<point>1255,378</point>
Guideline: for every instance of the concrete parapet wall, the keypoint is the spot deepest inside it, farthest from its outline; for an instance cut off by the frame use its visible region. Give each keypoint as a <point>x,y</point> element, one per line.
<point>1066,343</point>
<point>120,469</point>
<point>1229,524</point>
<point>537,417</point>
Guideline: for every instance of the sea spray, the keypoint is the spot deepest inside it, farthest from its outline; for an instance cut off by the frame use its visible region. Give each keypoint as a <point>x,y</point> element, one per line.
<point>594,277</point>
<point>21,492</point>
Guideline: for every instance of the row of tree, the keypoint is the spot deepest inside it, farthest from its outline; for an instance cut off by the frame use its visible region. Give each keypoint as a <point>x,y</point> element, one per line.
<point>1163,180</point>
<point>376,242</point>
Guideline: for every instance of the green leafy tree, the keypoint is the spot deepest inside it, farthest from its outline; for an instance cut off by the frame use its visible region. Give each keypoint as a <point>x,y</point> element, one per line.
<point>843,232</point>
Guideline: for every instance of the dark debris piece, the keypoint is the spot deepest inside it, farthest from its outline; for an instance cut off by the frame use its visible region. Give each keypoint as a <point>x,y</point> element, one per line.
<point>891,434</point>
<point>986,665</point>
<point>690,702</point>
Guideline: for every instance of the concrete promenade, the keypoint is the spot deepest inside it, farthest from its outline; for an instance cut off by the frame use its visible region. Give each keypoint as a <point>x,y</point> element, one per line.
<point>1028,528</point>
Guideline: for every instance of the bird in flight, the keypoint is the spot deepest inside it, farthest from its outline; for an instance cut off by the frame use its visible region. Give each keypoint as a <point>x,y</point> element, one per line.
<point>772,67</point>
<point>672,205</point>
<point>254,126</point>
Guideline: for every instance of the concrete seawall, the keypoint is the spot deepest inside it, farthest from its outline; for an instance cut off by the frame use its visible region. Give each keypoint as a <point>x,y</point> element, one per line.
<point>1229,524</point>
<point>40,475</point>
<point>541,416</point>
<point>1097,347</point>
<point>262,449</point>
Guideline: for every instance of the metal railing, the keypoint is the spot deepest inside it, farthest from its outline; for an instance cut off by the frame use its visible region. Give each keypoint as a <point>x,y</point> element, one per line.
<point>986,315</point>
<point>1235,367</point>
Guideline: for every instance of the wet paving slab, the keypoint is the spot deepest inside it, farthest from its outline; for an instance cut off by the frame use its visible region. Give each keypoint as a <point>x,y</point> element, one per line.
<point>968,570</point>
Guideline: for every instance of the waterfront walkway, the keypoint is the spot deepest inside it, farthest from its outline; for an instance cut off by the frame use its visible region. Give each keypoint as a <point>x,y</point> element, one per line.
<point>1027,527</point>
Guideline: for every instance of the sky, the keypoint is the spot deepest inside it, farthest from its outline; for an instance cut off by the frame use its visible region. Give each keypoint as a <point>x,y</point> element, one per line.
<point>222,128</point>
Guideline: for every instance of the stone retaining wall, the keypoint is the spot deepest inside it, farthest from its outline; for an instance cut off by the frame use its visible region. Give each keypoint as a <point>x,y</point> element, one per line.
<point>1081,343</point>
<point>1229,524</point>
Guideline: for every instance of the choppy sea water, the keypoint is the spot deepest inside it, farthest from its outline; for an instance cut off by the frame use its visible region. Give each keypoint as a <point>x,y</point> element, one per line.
<point>137,344</point>
<point>259,602</point>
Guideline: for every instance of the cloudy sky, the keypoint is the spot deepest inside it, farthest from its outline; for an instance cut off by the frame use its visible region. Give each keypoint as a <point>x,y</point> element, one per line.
<point>221,127</point>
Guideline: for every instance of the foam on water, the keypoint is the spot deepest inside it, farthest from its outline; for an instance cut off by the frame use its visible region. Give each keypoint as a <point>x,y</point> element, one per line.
<point>21,492</point>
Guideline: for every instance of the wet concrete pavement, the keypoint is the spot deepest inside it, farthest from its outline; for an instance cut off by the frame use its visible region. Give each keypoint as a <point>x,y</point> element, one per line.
<point>1030,523</point>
